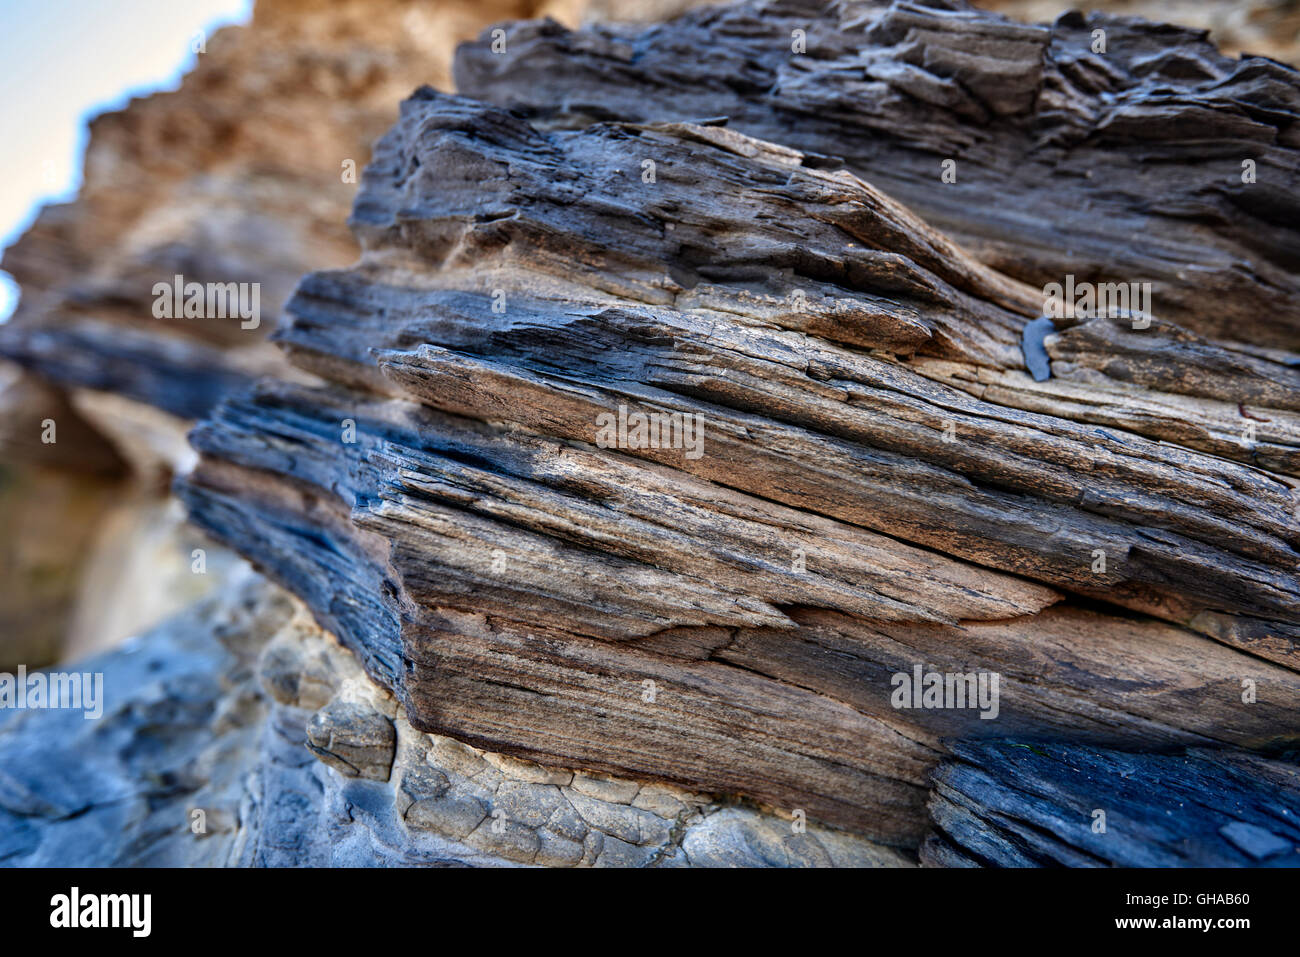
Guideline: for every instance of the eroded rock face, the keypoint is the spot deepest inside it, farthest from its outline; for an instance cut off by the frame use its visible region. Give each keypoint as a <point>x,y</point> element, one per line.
<point>243,175</point>
<point>214,183</point>
<point>455,800</point>
<point>497,506</point>
<point>1058,150</point>
<point>207,754</point>
<point>1005,804</point>
<point>180,729</point>
<point>558,646</point>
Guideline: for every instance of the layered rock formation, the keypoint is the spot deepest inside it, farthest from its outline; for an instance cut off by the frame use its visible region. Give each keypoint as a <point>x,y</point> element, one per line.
<point>1067,161</point>
<point>244,174</point>
<point>1019,805</point>
<point>1268,28</point>
<point>689,402</point>
<point>874,483</point>
<point>204,757</point>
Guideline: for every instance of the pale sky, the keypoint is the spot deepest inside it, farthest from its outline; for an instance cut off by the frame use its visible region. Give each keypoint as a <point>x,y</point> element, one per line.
<point>64,61</point>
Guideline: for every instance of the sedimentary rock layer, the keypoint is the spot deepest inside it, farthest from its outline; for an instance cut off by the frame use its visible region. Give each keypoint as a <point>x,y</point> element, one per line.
<point>242,175</point>
<point>1010,804</point>
<point>690,401</point>
<point>278,753</point>
<point>877,483</point>
<point>1067,160</point>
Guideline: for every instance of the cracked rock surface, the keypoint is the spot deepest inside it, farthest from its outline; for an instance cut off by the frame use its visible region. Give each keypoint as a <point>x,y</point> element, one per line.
<point>240,734</point>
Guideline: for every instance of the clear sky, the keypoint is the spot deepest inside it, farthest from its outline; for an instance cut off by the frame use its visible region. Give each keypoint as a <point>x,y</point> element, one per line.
<point>64,61</point>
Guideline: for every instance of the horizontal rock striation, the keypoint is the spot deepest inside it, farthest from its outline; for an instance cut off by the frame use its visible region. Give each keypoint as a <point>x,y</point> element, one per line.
<point>854,478</point>
<point>242,175</point>
<point>686,468</point>
<point>1009,804</point>
<point>1068,160</point>
<point>248,689</point>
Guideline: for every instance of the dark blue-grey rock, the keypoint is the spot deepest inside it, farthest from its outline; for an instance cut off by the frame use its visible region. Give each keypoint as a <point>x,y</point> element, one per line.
<point>1037,361</point>
<point>1016,804</point>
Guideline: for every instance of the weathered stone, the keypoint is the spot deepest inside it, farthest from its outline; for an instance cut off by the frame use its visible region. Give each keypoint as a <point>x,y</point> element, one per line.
<point>526,771</point>
<point>453,816</point>
<point>735,837</point>
<point>455,756</point>
<point>568,823</point>
<point>605,789</point>
<point>1015,804</point>
<point>663,801</point>
<point>420,784</point>
<point>879,465</point>
<point>557,851</point>
<point>532,805</point>
<point>506,838</point>
<point>878,475</point>
<point>624,822</point>
<point>617,853</point>
<point>355,741</point>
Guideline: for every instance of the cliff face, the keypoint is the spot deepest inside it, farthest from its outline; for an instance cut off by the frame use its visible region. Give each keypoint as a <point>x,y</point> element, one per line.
<point>676,405</point>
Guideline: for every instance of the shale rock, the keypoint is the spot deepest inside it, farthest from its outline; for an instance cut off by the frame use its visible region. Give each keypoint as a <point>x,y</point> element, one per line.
<point>242,175</point>
<point>471,507</point>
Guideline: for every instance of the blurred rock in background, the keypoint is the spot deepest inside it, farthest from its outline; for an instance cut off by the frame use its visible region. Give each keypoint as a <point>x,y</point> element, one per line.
<point>1268,28</point>
<point>53,499</point>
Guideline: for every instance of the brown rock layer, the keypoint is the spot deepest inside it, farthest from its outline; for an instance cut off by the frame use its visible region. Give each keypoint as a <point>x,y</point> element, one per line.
<point>876,486</point>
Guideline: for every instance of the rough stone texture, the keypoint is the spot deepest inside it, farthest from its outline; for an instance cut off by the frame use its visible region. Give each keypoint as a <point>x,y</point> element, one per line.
<point>212,712</point>
<point>1065,158</point>
<point>629,626</point>
<point>881,485</point>
<point>180,730</point>
<point>217,711</point>
<point>1013,805</point>
<point>224,180</point>
<point>1268,28</point>
<point>237,176</point>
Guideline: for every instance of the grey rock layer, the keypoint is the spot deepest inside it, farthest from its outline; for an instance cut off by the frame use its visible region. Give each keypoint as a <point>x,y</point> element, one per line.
<point>1011,804</point>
